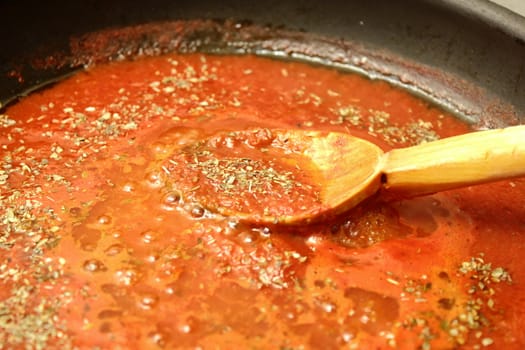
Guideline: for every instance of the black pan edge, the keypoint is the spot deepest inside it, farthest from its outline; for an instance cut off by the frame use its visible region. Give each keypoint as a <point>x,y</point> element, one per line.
<point>475,41</point>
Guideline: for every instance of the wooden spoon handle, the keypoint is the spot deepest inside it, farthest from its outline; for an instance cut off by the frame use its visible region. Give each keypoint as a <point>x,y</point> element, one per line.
<point>457,161</point>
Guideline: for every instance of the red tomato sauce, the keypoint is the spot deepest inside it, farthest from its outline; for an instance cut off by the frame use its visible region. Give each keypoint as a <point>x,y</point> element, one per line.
<point>252,171</point>
<point>99,251</point>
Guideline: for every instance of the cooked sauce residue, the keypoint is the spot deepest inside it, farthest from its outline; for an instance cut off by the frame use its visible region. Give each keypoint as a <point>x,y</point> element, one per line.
<point>253,172</point>
<point>106,241</point>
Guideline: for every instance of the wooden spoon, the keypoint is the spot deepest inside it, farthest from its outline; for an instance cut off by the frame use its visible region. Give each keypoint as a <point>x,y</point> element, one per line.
<point>353,169</point>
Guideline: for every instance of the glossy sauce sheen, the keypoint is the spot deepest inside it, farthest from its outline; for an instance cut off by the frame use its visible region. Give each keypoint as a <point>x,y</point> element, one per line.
<point>101,249</point>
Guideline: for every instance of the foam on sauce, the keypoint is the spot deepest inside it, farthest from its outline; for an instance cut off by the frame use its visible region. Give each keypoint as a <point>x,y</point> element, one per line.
<point>97,250</point>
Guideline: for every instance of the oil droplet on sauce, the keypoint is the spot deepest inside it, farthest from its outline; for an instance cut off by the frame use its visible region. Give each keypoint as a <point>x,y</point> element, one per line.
<point>114,249</point>
<point>148,301</point>
<point>94,265</point>
<point>104,219</point>
<point>148,236</point>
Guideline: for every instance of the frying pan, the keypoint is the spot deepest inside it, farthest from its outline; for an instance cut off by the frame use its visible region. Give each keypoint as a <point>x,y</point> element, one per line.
<point>466,55</point>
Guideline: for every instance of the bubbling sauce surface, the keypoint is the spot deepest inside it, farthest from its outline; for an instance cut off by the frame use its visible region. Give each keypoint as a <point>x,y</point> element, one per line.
<point>99,251</point>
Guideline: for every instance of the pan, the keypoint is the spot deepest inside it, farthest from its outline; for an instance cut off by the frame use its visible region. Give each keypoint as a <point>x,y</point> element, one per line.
<point>441,271</point>
<point>477,44</point>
